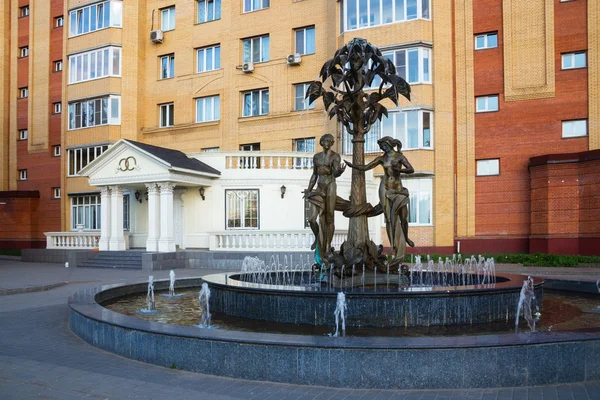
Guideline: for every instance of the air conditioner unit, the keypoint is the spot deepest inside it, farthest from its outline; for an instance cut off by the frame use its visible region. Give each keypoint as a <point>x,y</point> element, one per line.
<point>294,59</point>
<point>248,67</point>
<point>156,36</point>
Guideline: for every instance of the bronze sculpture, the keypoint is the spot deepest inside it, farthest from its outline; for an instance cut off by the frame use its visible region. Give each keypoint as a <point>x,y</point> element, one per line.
<point>326,167</point>
<point>393,197</point>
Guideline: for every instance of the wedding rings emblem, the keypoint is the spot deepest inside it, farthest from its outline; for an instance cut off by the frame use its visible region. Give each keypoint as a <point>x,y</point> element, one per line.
<point>127,164</point>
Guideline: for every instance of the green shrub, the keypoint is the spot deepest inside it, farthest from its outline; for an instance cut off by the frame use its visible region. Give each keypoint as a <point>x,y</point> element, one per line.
<point>535,260</point>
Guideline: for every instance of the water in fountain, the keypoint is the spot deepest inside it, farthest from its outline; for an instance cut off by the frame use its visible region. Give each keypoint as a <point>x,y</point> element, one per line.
<point>527,302</point>
<point>255,270</point>
<point>150,304</point>
<point>204,297</point>
<point>340,314</point>
<point>172,283</point>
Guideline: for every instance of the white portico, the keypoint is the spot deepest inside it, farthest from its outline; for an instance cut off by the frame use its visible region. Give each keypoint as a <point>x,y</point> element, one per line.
<point>161,176</point>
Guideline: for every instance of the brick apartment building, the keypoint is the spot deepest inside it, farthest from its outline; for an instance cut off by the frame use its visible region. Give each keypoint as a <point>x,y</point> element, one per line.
<point>503,128</point>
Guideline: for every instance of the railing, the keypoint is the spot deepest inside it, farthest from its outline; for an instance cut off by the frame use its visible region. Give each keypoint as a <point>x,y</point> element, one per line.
<point>235,240</point>
<point>258,160</point>
<point>72,240</point>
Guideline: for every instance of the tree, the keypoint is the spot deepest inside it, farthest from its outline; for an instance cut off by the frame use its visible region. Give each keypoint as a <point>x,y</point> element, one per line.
<point>354,67</point>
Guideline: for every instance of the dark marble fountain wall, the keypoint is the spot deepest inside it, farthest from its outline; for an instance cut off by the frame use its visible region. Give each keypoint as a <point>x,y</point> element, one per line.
<point>388,309</point>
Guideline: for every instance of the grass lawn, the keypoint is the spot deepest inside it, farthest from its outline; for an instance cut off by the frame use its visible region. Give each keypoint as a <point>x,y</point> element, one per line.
<point>10,252</point>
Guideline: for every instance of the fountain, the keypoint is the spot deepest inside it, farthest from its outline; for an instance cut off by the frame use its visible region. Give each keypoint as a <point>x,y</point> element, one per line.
<point>527,303</point>
<point>171,294</point>
<point>203,298</point>
<point>150,304</point>
<point>340,314</point>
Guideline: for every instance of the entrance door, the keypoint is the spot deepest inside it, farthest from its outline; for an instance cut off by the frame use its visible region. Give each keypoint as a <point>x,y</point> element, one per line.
<point>178,221</point>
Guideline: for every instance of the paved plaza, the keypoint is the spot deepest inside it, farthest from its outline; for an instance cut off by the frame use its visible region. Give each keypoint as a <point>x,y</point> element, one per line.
<point>40,358</point>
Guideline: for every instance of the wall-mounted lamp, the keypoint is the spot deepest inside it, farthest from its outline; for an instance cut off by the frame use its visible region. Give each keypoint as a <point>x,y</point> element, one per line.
<point>283,191</point>
<point>201,190</point>
<point>138,196</point>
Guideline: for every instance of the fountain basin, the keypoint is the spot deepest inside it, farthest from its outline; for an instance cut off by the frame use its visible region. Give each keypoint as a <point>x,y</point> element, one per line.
<point>505,360</point>
<point>386,307</point>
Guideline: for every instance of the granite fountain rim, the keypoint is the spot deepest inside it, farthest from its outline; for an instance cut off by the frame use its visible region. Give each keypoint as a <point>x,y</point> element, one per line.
<point>84,303</point>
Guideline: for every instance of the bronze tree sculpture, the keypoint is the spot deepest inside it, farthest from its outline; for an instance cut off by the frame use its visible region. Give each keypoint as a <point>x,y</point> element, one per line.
<point>353,68</point>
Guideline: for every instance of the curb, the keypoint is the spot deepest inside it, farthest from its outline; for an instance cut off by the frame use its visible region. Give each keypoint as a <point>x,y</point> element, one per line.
<point>31,289</point>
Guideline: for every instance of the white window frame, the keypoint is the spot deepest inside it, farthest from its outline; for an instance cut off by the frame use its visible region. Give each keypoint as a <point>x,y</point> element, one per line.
<point>261,94</point>
<point>165,24</point>
<point>205,4</point>
<point>56,151</point>
<point>488,167</point>
<point>242,206</point>
<point>397,15</point>
<point>22,174</point>
<point>261,43</point>
<point>56,193</point>
<point>573,128</point>
<point>59,21</point>
<point>23,134</point>
<point>113,112</point>
<point>57,108</point>
<point>24,11</point>
<point>24,51</point>
<point>85,211</point>
<point>211,149</point>
<point>310,146</point>
<point>58,65</point>
<point>303,51</point>
<point>80,157</point>
<point>305,105</point>
<point>101,15</point>
<point>170,71</point>
<point>395,125</point>
<point>23,92</point>
<point>571,58</point>
<point>169,110</point>
<point>486,44</point>
<point>486,108</point>
<point>249,5</point>
<point>419,189</point>
<point>214,109</point>
<point>92,65</point>
<point>215,58</point>
<point>423,53</point>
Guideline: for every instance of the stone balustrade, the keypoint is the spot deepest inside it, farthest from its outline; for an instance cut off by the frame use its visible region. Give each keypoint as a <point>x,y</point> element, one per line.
<point>75,240</point>
<point>234,240</point>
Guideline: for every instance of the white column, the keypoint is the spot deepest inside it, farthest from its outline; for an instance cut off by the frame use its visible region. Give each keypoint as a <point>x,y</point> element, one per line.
<point>166,241</point>
<point>117,239</point>
<point>179,219</point>
<point>105,219</point>
<point>153,217</point>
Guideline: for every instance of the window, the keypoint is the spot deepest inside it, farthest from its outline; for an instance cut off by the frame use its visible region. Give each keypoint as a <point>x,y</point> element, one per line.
<point>81,157</point>
<point>23,92</point>
<point>242,209</point>
<point>305,145</point>
<point>367,13</point>
<point>256,102</point>
<point>211,149</point>
<point>300,103</point>
<point>254,5</point>
<point>208,59</point>
<point>256,49</point>
<point>167,19</point>
<point>22,174</point>
<point>95,17</point>
<point>486,103</point>
<point>250,162</point>
<point>59,21</point>
<point>24,51</point>
<point>56,193</point>
<point>126,212</point>
<point>574,128</point>
<point>58,66</point>
<point>488,167</point>
<point>24,11</point>
<point>23,134</point>
<point>57,108</point>
<point>420,204</point>
<point>207,109</point>
<point>167,66</point>
<point>95,112</point>
<point>86,211</point>
<point>209,10</point>
<point>166,115</point>
<point>95,64</point>
<point>413,65</point>
<point>574,60</point>
<point>413,128</point>
<point>56,151</point>
<point>305,40</point>
<point>486,41</point>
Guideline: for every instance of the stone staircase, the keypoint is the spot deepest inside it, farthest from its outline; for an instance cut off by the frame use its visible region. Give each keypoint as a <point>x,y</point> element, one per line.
<point>115,259</point>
